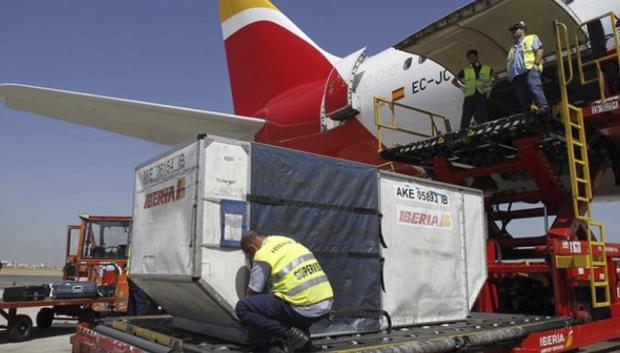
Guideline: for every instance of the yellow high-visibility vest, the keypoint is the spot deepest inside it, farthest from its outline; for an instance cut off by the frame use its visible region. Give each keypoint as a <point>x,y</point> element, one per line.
<point>528,52</point>
<point>482,84</point>
<point>296,275</point>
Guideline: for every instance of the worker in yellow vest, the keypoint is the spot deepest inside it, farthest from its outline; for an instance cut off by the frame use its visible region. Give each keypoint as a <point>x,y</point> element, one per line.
<point>287,293</point>
<point>476,81</point>
<point>524,65</point>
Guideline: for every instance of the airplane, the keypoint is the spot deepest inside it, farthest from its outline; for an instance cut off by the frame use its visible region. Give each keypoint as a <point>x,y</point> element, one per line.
<point>289,92</point>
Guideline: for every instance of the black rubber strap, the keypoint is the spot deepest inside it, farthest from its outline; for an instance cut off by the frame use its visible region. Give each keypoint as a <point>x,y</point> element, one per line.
<point>282,202</point>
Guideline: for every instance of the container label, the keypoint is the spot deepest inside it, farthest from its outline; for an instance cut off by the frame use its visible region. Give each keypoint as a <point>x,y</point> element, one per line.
<point>165,195</point>
<point>423,217</point>
<point>421,194</point>
<point>161,170</point>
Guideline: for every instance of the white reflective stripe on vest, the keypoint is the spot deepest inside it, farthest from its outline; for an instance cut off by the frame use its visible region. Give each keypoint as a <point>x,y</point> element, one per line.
<point>291,265</point>
<point>306,285</point>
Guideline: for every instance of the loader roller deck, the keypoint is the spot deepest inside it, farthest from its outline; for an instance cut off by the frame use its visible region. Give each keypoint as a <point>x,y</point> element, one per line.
<point>480,330</point>
<point>483,144</point>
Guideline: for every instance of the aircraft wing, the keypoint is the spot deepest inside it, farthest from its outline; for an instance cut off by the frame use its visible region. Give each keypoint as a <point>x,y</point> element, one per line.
<point>158,123</point>
<point>483,25</point>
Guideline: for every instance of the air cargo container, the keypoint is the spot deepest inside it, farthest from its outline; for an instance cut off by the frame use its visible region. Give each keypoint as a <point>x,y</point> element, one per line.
<point>405,256</point>
<point>407,247</point>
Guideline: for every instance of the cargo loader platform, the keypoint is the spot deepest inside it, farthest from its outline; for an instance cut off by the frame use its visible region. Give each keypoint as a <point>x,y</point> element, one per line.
<point>483,144</point>
<point>551,168</point>
<point>479,331</point>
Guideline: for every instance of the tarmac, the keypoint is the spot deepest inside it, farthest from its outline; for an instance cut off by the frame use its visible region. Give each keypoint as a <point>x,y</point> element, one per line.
<point>56,338</point>
<point>53,340</point>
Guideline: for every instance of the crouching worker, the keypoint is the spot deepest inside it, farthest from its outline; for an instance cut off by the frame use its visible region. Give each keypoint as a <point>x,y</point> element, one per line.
<point>287,293</point>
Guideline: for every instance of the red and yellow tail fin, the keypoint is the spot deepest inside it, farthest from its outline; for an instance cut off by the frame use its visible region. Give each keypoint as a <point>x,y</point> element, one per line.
<point>268,55</point>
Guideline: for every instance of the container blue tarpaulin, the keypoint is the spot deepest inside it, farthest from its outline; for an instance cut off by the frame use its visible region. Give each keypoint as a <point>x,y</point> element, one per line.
<point>330,206</point>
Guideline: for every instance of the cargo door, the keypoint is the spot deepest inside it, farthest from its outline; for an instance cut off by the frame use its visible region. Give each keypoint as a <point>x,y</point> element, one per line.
<point>163,231</point>
<point>483,25</point>
<point>339,100</point>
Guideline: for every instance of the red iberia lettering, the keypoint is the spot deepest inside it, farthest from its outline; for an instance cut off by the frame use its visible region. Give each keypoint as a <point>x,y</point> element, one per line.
<point>422,217</point>
<point>166,195</point>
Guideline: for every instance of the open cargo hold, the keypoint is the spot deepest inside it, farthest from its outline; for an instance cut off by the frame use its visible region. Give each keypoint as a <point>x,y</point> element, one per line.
<point>387,242</point>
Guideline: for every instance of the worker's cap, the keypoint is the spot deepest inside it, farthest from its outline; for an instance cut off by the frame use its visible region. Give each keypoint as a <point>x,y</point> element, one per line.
<point>518,25</point>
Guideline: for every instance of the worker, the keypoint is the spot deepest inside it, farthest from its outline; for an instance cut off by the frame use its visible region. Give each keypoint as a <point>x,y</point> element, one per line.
<point>476,81</point>
<point>524,64</point>
<point>299,292</point>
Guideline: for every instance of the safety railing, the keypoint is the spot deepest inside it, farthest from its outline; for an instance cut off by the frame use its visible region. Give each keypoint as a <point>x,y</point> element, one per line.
<point>434,120</point>
<point>614,55</point>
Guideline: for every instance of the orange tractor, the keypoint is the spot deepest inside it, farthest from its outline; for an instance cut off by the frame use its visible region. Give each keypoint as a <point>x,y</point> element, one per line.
<point>97,251</point>
<point>96,254</point>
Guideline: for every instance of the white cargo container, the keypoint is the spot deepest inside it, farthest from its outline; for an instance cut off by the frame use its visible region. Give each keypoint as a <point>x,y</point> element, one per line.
<point>190,210</point>
<point>179,254</point>
<point>435,259</point>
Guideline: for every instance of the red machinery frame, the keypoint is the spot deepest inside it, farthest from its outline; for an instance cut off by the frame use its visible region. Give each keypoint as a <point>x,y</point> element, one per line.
<point>562,238</point>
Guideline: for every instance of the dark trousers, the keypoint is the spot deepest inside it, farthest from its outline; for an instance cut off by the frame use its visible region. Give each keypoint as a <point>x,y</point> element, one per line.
<point>139,303</point>
<point>270,315</point>
<point>529,89</point>
<point>475,106</point>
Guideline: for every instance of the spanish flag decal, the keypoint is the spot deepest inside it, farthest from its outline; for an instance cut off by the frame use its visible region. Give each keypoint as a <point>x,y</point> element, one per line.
<point>398,94</point>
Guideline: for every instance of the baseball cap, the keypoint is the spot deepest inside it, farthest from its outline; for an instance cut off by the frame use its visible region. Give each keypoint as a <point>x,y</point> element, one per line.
<point>519,24</point>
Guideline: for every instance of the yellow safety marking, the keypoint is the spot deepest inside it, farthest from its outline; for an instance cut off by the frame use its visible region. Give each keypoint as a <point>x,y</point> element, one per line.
<point>572,261</point>
<point>229,8</point>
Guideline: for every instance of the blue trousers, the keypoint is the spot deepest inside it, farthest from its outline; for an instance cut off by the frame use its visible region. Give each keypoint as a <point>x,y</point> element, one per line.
<point>475,106</point>
<point>529,89</point>
<point>271,316</point>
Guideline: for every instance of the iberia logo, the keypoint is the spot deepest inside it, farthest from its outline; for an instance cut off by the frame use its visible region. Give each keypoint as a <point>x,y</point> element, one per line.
<point>557,341</point>
<point>422,217</point>
<point>165,195</point>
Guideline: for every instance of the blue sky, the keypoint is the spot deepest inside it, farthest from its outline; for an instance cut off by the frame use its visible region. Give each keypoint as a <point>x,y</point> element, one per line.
<point>167,52</point>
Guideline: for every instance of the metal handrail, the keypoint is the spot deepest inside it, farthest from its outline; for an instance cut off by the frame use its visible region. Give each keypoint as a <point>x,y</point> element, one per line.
<point>379,102</point>
<point>562,28</point>
<point>597,62</point>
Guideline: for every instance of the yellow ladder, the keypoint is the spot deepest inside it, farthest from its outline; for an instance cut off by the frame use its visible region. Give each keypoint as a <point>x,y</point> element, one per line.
<point>581,184</point>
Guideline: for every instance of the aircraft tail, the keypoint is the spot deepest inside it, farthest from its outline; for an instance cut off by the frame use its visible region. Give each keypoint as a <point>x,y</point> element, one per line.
<point>269,57</point>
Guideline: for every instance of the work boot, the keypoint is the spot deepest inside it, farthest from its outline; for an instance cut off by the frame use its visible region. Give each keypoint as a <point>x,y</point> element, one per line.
<point>277,348</point>
<point>309,347</point>
<point>543,112</point>
<point>295,339</point>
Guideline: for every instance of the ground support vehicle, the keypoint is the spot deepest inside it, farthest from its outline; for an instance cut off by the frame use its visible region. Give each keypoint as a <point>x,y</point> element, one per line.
<point>96,251</point>
<point>19,326</point>
<point>568,276</point>
<point>570,270</point>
